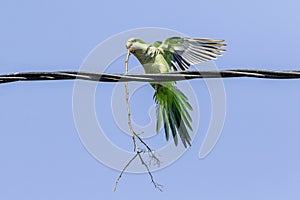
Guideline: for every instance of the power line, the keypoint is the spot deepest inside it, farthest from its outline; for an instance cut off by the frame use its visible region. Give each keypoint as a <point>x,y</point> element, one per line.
<point>172,76</point>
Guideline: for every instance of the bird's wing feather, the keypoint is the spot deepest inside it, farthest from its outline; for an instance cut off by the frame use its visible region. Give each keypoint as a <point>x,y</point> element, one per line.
<point>172,110</point>
<point>180,52</point>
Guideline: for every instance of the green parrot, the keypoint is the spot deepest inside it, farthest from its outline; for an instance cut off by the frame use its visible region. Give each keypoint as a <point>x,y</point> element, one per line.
<point>174,54</point>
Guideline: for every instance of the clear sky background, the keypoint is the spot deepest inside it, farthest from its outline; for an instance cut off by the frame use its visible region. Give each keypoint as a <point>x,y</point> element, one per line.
<point>257,156</point>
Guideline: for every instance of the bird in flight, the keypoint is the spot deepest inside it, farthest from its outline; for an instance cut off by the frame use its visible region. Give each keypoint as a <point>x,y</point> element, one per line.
<point>173,54</point>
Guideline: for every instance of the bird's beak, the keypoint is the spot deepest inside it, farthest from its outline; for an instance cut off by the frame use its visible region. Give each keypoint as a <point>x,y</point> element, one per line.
<point>128,45</point>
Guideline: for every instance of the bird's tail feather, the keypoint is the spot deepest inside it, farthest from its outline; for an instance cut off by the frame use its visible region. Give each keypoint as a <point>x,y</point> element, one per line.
<point>172,111</point>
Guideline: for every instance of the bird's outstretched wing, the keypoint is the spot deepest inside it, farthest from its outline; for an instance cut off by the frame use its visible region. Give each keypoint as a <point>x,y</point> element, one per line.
<point>180,52</point>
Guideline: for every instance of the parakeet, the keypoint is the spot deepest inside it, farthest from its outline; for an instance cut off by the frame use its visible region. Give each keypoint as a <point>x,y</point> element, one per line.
<point>174,54</point>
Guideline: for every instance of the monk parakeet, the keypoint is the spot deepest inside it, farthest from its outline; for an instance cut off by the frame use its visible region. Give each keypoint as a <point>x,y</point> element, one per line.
<point>174,54</point>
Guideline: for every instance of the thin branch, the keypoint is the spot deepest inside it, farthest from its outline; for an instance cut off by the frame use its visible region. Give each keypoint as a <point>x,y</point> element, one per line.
<point>172,76</point>
<point>128,106</point>
<point>156,185</point>
<point>133,135</point>
<point>157,161</point>
<point>123,170</point>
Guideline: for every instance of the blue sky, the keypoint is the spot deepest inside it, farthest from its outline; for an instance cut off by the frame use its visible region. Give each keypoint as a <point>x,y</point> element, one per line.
<point>256,157</point>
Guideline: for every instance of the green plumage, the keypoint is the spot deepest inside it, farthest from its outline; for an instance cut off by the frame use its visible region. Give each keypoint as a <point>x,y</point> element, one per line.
<point>174,53</point>
<point>172,111</point>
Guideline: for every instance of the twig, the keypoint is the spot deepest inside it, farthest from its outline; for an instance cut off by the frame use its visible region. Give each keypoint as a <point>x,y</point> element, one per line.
<point>133,135</point>
<point>128,106</point>
<point>157,161</point>
<point>123,170</point>
<point>156,185</point>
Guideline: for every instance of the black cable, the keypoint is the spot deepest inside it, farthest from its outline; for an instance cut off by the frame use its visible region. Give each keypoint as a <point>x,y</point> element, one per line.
<point>172,76</point>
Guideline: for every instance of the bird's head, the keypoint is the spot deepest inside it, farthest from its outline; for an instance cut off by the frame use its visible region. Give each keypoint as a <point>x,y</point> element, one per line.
<point>135,44</point>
